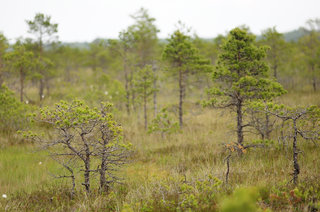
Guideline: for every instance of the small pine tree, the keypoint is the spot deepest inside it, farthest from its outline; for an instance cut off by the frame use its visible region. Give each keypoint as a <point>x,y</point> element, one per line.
<point>22,61</point>
<point>12,112</point>
<point>184,59</point>
<point>163,124</point>
<point>44,31</point>
<point>240,77</point>
<point>278,48</point>
<point>309,45</point>
<point>143,82</point>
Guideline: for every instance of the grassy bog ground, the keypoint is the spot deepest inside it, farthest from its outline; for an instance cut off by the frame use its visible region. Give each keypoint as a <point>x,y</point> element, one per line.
<point>179,172</point>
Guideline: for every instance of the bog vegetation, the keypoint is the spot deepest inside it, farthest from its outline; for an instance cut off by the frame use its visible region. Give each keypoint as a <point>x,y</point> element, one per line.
<point>142,124</point>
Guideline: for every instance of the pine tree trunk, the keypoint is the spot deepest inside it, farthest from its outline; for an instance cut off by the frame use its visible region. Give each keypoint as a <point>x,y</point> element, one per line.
<point>41,85</point>
<point>86,161</point>
<point>21,84</point>
<point>180,99</point>
<point>275,72</point>
<point>87,171</point>
<point>155,94</point>
<point>155,109</point>
<point>73,189</point>
<point>126,86</point>
<point>133,95</point>
<point>103,183</point>
<point>41,89</point>
<point>267,130</point>
<point>314,83</point>
<point>239,123</point>
<point>228,168</point>
<point>296,168</point>
<point>145,113</point>
<point>133,100</point>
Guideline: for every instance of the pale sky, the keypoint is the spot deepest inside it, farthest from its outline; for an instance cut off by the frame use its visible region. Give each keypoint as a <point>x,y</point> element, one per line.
<point>85,20</point>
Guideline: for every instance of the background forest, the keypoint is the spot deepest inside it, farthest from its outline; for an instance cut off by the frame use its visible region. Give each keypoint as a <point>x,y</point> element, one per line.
<point>140,123</point>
